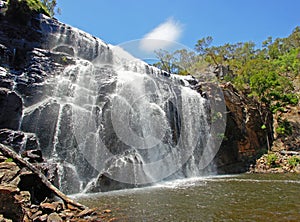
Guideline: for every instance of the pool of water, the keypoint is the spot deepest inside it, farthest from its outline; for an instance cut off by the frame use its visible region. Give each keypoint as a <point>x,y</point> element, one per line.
<point>246,197</point>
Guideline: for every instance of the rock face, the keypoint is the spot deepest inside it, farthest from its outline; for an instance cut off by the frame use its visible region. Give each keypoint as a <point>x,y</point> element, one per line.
<point>10,109</point>
<point>18,140</point>
<point>291,140</point>
<point>58,95</point>
<point>249,132</point>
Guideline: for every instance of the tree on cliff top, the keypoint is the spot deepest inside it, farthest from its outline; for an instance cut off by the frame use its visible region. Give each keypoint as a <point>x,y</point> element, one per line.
<point>23,8</point>
<point>270,73</point>
<point>50,5</point>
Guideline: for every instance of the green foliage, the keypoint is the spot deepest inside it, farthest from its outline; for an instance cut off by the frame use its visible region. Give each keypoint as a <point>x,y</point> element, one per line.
<point>267,73</point>
<point>290,98</point>
<point>277,107</point>
<point>263,127</point>
<point>50,5</point>
<point>221,136</point>
<point>284,127</point>
<point>216,116</point>
<point>271,159</point>
<point>180,62</point>
<point>64,59</point>
<point>37,6</point>
<point>294,161</point>
<point>25,6</point>
<point>22,10</point>
<point>166,61</point>
<point>202,45</point>
<point>9,160</point>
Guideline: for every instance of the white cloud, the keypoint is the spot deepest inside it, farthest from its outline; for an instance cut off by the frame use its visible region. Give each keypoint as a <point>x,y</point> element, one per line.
<point>162,37</point>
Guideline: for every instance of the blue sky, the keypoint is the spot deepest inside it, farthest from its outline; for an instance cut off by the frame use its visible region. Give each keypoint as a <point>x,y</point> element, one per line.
<point>118,21</point>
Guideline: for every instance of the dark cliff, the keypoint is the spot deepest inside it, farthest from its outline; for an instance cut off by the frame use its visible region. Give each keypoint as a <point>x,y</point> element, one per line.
<point>249,132</point>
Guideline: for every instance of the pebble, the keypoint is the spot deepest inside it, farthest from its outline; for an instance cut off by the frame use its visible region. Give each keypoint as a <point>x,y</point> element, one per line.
<point>54,217</point>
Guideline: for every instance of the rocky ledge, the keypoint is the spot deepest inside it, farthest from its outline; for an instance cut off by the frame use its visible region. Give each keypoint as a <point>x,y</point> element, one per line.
<point>278,162</point>
<point>20,201</point>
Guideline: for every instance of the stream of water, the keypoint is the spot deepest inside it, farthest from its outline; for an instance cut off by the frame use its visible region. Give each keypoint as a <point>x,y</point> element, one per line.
<point>246,197</point>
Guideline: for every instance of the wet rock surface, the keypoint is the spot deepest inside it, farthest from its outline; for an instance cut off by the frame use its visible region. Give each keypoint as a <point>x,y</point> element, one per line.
<point>19,140</point>
<point>10,109</point>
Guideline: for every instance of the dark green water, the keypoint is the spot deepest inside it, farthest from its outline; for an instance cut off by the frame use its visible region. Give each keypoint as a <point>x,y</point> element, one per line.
<point>229,198</point>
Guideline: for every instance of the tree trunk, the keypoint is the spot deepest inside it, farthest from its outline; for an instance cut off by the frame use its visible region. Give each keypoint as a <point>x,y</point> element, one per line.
<point>23,163</point>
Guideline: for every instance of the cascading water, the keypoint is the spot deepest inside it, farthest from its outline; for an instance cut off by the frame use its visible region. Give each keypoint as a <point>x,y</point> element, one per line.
<point>114,122</point>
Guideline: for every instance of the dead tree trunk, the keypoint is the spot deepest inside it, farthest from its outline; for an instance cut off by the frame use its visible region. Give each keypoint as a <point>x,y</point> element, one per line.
<point>23,163</point>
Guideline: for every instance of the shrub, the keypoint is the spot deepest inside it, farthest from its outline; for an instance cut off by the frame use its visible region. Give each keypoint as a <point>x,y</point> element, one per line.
<point>271,160</point>
<point>284,127</point>
<point>290,99</point>
<point>294,161</point>
<point>9,160</point>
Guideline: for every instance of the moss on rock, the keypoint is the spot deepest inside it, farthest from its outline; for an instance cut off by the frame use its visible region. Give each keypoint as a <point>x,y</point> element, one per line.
<point>22,11</point>
<point>31,5</point>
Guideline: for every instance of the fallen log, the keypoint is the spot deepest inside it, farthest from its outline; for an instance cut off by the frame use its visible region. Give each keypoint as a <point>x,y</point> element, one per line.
<point>23,163</point>
<point>291,153</point>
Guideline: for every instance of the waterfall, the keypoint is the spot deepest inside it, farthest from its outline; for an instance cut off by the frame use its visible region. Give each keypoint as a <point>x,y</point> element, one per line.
<point>112,121</point>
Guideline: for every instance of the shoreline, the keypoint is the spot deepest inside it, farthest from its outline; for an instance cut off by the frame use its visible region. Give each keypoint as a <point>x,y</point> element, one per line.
<point>26,196</point>
<point>20,203</point>
<point>277,162</point>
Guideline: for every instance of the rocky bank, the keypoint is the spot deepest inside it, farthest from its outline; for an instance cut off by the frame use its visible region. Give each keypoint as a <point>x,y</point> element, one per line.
<point>277,162</point>
<point>24,195</point>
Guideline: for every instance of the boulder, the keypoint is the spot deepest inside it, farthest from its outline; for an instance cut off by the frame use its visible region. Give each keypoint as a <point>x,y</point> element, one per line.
<point>112,178</point>
<point>33,156</point>
<point>18,140</point>
<point>9,172</point>
<point>10,208</point>
<point>10,109</point>
<point>42,121</point>
<point>54,217</point>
